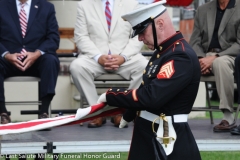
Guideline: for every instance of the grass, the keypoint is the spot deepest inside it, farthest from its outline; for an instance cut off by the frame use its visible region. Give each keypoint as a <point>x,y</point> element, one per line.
<point>123,156</point>
<point>220,155</point>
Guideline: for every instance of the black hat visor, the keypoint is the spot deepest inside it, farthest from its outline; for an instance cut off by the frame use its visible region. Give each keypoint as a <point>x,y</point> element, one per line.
<point>139,28</point>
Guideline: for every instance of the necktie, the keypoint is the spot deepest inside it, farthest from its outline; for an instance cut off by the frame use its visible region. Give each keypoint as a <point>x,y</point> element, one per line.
<point>108,15</point>
<point>23,20</point>
<point>23,24</point>
<point>108,18</point>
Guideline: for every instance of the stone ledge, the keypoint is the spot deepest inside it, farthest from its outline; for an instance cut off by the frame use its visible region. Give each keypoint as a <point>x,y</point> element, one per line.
<point>17,136</point>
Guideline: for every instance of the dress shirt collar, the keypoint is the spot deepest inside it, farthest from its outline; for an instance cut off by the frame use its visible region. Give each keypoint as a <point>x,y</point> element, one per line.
<point>230,5</point>
<point>26,7</point>
<point>111,3</point>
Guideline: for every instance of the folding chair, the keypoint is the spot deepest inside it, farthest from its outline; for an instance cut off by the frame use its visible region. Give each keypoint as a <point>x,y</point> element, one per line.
<point>26,79</point>
<point>211,108</point>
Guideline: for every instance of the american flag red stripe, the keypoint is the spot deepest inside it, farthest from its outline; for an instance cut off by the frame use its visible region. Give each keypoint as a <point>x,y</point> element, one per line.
<point>82,115</point>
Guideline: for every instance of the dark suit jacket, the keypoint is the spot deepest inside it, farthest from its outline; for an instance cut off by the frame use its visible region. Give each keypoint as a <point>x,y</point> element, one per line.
<point>42,28</point>
<point>228,33</point>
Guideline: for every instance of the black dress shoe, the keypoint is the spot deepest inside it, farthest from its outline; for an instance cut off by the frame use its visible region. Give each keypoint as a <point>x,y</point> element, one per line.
<point>235,131</point>
<point>5,119</point>
<point>43,116</point>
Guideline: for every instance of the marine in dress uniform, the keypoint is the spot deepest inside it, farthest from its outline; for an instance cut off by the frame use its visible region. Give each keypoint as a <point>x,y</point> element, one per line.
<point>170,84</point>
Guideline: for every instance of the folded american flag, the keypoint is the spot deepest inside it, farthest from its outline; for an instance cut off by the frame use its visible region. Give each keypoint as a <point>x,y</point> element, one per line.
<point>82,115</point>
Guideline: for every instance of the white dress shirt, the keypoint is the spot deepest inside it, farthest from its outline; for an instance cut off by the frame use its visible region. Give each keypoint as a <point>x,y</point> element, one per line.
<point>27,7</point>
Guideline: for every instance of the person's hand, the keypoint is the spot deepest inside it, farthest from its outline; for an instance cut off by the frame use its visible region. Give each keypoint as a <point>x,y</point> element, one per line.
<point>111,62</point>
<point>114,62</point>
<point>118,59</point>
<point>102,98</point>
<point>207,72</point>
<point>206,63</point>
<point>123,123</point>
<point>31,57</point>
<point>103,59</point>
<point>14,59</point>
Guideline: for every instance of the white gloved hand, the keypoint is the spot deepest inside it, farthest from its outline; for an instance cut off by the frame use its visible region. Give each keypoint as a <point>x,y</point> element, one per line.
<point>123,123</point>
<point>102,98</point>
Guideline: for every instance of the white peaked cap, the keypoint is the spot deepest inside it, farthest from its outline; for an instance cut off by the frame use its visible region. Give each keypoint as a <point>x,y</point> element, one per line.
<point>141,17</point>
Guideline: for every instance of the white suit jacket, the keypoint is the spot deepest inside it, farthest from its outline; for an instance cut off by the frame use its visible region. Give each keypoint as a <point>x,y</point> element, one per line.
<point>91,32</point>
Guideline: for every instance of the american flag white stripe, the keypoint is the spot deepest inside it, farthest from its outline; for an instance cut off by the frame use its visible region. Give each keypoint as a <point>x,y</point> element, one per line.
<point>82,115</point>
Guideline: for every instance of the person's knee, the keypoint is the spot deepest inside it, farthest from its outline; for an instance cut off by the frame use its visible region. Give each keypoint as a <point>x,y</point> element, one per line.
<point>49,64</point>
<point>76,67</point>
<point>50,59</point>
<point>220,63</point>
<point>142,64</point>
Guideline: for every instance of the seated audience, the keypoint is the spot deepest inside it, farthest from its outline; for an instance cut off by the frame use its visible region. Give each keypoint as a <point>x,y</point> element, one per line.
<point>29,39</point>
<point>215,39</point>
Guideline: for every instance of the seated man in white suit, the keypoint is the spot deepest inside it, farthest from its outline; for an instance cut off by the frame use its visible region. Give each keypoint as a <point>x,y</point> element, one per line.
<point>104,40</point>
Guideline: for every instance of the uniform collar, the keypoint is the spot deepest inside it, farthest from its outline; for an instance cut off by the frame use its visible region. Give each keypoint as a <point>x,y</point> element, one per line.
<point>171,40</point>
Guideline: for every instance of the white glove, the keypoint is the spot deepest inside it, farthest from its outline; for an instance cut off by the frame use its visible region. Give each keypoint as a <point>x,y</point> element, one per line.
<point>123,123</point>
<point>102,98</point>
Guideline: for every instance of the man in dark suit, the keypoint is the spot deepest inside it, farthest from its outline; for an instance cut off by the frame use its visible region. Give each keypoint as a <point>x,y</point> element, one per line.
<point>215,39</point>
<point>29,39</point>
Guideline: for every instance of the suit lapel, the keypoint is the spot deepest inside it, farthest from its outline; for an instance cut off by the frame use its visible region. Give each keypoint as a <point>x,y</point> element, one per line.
<point>226,17</point>
<point>33,11</point>
<point>13,11</point>
<point>211,20</point>
<point>98,7</point>
<point>115,15</point>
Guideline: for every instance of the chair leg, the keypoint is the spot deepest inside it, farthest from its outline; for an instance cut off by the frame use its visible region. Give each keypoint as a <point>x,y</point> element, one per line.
<point>39,99</point>
<point>50,111</point>
<point>236,114</point>
<point>81,100</point>
<point>208,102</point>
